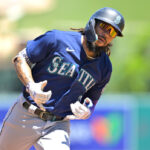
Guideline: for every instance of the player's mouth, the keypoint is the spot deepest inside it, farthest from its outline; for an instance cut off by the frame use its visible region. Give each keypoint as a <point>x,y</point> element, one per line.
<point>102,39</point>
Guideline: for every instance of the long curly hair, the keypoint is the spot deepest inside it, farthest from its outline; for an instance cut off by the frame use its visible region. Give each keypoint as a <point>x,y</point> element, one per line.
<point>98,50</point>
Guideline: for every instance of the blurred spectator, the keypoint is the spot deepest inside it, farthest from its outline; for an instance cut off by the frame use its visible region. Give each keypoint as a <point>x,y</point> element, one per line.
<point>14,9</point>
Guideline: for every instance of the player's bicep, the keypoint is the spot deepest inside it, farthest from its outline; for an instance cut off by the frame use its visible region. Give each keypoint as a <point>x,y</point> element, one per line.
<point>41,47</point>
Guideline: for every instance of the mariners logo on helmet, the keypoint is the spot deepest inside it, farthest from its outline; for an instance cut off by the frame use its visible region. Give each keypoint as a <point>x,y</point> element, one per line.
<point>117,20</point>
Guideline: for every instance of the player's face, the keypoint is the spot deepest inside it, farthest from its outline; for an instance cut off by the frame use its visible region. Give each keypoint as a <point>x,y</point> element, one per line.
<point>105,32</point>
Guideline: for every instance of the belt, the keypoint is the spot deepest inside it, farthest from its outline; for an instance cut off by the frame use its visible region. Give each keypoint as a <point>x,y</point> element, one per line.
<point>43,114</point>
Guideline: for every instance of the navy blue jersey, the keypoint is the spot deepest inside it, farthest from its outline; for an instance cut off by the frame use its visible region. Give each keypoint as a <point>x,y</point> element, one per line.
<point>60,59</point>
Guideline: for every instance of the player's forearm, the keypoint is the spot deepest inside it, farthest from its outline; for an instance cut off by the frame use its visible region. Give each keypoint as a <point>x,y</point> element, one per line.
<point>23,70</point>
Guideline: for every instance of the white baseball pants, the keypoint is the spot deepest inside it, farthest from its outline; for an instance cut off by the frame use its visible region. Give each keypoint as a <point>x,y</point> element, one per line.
<point>22,129</point>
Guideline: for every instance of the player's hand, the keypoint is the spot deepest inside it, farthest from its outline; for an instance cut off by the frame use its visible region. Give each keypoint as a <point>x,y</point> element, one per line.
<point>37,94</point>
<point>80,111</point>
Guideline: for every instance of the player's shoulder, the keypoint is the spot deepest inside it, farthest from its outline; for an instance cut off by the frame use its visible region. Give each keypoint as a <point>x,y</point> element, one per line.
<point>105,66</point>
<point>105,63</point>
<point>63,34</point>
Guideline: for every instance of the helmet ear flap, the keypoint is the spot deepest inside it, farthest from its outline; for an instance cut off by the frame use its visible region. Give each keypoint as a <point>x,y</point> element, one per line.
<point>90,31</point>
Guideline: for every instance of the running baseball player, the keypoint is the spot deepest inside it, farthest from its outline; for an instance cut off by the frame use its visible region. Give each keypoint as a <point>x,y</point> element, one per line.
<point>63,73</point>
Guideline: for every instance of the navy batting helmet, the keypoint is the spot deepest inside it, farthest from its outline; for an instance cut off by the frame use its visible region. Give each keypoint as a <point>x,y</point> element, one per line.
<point>108,15</point>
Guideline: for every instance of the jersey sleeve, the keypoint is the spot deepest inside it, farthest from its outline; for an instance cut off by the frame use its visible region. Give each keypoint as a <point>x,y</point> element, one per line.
<point>40,47</point>
<point>95,92</point>
<point>103,76</point>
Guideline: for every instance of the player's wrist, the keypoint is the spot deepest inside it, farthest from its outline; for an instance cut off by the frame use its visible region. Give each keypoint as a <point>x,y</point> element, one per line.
<point>29,85</point>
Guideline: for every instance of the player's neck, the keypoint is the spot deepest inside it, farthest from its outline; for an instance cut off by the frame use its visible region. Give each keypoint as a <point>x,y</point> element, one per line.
<point>90,54</point>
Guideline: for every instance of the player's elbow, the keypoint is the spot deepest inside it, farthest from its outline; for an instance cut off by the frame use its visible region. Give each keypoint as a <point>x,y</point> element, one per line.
<point>19,62</point>
<point>17,59</point>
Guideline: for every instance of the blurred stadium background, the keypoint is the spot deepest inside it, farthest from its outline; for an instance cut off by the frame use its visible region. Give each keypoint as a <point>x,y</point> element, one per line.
<point>121,120</point>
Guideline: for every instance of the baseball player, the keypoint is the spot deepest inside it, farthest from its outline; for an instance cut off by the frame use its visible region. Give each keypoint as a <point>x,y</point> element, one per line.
<point>64,73</point>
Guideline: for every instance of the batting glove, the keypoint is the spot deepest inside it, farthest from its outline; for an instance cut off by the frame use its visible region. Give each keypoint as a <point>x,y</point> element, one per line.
<point>37,94</point>
<point>80,111</point>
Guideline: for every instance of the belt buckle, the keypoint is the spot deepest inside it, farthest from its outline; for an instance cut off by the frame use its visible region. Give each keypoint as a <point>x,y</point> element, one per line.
<point>43,115</point>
